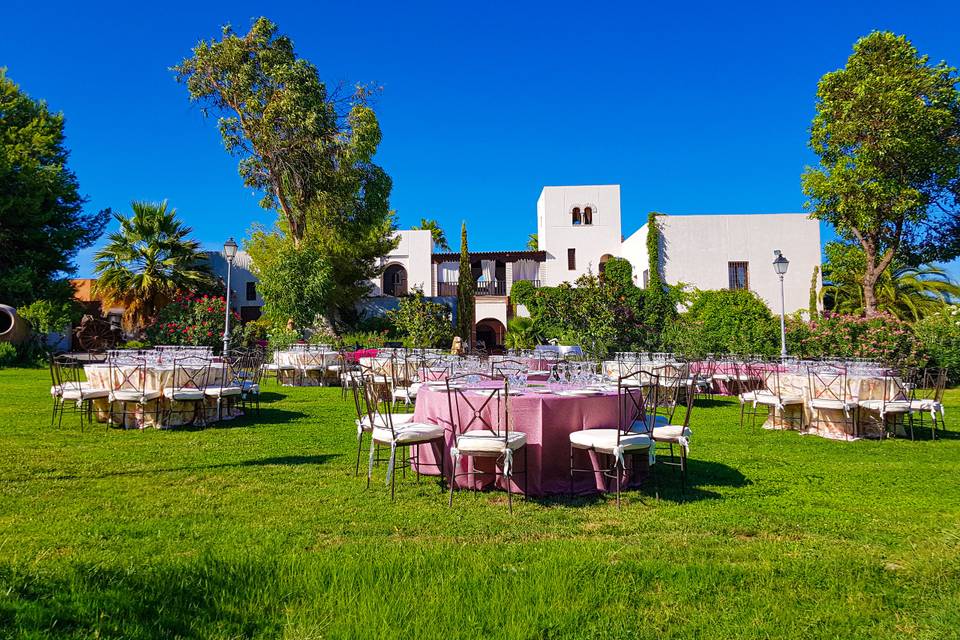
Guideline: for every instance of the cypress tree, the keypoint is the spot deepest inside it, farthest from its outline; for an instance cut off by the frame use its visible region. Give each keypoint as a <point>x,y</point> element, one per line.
<point>465,292</point>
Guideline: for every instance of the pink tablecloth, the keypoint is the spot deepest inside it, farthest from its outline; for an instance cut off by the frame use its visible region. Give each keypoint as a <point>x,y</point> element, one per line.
<point>548,421</point>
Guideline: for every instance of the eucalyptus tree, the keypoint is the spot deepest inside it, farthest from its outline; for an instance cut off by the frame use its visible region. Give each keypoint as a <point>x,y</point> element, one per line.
<point>308,151</point>
<point>887,132</point>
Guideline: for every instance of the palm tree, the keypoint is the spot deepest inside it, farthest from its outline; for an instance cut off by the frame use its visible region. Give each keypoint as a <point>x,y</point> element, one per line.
<point>533,243</point>
<point>909,293</point>
<point>147,261</point>
<point>439,237</point>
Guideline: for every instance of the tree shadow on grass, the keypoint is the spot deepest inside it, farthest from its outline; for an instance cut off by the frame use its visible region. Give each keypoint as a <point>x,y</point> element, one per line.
<point>265,416</point>
<point>285,461</point>
<point>189,599</point>
<point>666,483</point>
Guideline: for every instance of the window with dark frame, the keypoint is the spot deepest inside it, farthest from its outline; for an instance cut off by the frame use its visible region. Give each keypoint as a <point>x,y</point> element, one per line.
<point>576,215</point>
<point>571,259</point>
<point>587,215</point>
<point>739,275</point>
<point>251,291</point>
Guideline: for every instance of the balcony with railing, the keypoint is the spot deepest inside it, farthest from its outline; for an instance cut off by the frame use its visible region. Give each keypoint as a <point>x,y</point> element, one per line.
<point>495,288</point>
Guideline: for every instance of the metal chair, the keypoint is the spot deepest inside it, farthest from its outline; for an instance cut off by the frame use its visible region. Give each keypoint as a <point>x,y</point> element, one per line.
<point>829,391</point>
<point>129,379</point>
<point>189,381</point>
<point>68,387</point>
<point>481,429</point>
<point>620,440</point>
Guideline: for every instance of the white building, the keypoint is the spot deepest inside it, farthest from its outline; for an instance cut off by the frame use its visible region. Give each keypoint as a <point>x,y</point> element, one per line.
<point>244,297</point>
<point>578,230</point>
<point>733,252</point>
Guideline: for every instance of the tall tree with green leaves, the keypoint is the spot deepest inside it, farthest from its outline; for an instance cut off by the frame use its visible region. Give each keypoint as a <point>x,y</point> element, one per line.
<point>147,261</point>
<point>439,237</point>
<point>42,221</point>
<point>887,132</point>
<point>465,292</point>
<point>906,292</point>
<point>310,153</point>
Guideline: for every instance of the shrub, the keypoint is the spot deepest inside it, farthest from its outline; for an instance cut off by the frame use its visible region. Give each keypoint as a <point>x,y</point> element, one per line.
<point>882,338</point>
<point>522,292</point>
<point>364,339</point>
<point>522,333</point>
<point>46,317</point>
<point>8,354</point>
<point>724,321</point>
<point>939,335</point>
<point>255,333</point>
<point>423,323</point>
<point>192,319</point>
<point>134,344</point>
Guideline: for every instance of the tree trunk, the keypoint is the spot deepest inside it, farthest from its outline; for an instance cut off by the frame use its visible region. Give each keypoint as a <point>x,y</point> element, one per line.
<point>870,277</point>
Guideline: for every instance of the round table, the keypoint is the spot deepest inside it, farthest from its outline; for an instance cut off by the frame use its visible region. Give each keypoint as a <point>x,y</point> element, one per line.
<point>308,366</point>
<point>161,412</point>
<point>548,419</point>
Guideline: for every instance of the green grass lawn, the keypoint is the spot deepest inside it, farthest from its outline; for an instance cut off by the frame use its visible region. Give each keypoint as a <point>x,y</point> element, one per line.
<point>259,528</point>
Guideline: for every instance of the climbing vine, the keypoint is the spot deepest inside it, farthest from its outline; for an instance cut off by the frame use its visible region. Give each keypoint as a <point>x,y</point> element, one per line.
<point>659,307</point>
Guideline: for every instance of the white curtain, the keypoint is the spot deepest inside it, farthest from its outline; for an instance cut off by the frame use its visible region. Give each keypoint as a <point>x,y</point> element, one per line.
<point>525,270</point>
<point>448,271</point>
<point>488,269</point>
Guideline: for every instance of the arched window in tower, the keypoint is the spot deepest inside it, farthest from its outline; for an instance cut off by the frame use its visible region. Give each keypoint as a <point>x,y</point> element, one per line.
<point>588,215</point>
<point>576,215</point>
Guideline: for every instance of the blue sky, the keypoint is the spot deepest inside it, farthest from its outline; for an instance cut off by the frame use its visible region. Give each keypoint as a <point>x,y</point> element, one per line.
<point>691,108</point>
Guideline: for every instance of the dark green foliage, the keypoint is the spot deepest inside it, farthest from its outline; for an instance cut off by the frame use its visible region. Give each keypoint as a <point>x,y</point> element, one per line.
<point>422,323</point>
<point>42,222</point>
<point>659,307</point>
<point>814,296</point>
<point>522,333</point>
<point>879,338</point>
<point>521,292</point>
<point>724,321</point>
<point>618,272</point>
<point>887,134</point>
<point>939,335</point>
<point>465,292</point>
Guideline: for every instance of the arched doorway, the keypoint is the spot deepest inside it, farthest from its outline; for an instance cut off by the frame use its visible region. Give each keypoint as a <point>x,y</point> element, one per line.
<point>491,332</point>
<point>395,281</point>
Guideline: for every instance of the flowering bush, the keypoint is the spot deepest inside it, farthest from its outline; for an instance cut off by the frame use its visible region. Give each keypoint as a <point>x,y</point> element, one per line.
<point>882,338</point>
<point>194,320</point>
<point>939,333</point>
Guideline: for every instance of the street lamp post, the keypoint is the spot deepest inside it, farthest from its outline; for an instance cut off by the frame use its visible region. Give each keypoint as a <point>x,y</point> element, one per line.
<point>229,251</point>
<point>780,264</point>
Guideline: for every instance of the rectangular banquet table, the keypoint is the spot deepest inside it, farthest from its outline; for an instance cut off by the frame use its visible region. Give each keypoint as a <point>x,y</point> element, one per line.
<point>548,420</point>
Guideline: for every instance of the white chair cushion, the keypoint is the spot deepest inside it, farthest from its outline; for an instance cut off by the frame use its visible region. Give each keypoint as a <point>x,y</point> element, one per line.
<point>605,440</point>
<point>927,404</point>
<point>398,419</point>
<point>218,392</point>
<point>183,394</point>
<point>832,403</point>
<point>765,397</point>
<point>671,433</point>
<point>409,433</point>
<point>134,396</point>
<point>748,396</point>
<point>251,387</point>
<point>486,442</point>
<point>83,393</point>
<point>723,377</point>
<point>312,367</point>
<point>896,406</point>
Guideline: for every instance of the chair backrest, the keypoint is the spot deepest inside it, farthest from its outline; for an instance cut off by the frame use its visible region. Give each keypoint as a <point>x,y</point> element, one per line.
<point>770,375</point>
<point>128,374</point>
<point>506,367</point>
<point>220,374</point>
<point>635,393</point>
<point>671,379</point>
<point>484,408</point>
<point>190,372</point>
<point>895,390</point>
<point>359,390</point>
<point>827,382</point>
<point>64,372</point>
<point>378,406</point>
<point>929,384</point>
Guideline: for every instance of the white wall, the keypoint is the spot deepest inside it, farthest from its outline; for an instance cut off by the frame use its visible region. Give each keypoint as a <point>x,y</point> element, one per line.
<point>696,250</point>
<point>556,232</point>
<point>413,252</point>
<point>240,275</point>
<point>491,308</point>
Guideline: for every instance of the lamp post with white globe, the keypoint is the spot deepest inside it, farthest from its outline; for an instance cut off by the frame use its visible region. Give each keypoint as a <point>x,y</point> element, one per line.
<point>780,264</point>
<point>229,252</point>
